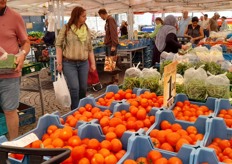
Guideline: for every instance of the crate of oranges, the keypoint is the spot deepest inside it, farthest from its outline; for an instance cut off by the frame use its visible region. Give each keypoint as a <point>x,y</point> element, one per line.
<point>87,144</point>
<point>219,138</point>
<point>224,111</point>
<point>87,111</point>
<point>190,111</point>
<point>170,134</point>
<point>141,150</point>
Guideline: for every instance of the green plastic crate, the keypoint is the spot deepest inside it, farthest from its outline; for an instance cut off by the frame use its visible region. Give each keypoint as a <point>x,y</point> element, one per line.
<point>3,129</point>
<point>32,67</point>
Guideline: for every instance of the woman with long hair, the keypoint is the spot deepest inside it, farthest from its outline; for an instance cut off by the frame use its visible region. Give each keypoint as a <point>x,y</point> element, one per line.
<point>73,50</point>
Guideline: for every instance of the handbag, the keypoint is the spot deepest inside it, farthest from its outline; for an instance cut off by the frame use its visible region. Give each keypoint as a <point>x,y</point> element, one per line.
<point>110,63</point>
<point>61,91</point>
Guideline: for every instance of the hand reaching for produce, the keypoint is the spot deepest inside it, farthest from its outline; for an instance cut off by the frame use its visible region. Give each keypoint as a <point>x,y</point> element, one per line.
<point>184,47</point>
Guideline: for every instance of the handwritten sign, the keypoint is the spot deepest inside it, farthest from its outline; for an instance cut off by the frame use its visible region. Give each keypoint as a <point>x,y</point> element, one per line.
<point>169,84</point>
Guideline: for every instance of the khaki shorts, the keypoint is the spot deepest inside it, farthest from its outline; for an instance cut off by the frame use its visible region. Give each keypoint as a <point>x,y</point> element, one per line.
<point>9,93</point>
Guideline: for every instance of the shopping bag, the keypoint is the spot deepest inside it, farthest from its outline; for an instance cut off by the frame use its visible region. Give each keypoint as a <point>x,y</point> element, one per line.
<point>110,63</point>
<point>61,91</point>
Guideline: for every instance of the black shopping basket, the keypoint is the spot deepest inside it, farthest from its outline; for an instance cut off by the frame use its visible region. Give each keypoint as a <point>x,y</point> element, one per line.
<point>35,155</point>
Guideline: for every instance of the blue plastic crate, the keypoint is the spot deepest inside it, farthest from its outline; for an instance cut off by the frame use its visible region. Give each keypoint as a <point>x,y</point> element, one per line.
<point>140,145</point>
<point>211,103</point>
<point>3,129</point>
<point>167,115</point>
<point>43,123</point>
<point>26,114</point>
<point>223,104</point>
<point>115,89</point>
<point>83,102</point>
<point>205,155</point>
<point>227,56</point>
<point>217,129</point>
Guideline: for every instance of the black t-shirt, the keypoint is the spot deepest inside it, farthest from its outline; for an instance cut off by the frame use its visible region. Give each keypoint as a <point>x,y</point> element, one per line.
<point>194,32</point>
<point>123,30</point>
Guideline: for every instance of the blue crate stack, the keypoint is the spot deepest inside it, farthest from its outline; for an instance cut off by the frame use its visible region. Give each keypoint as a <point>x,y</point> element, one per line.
<point>52,55</point>
<point>148,53</point>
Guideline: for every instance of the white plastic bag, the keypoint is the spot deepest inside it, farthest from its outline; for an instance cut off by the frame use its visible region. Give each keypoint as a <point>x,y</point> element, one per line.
<point>61,91</point>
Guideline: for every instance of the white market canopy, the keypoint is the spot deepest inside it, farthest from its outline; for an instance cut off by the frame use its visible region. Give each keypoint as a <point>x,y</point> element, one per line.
<point>42,7</point>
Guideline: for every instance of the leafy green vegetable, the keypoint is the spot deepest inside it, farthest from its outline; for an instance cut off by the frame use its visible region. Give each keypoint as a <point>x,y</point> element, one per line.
<point>213,68</point>
<point>196,89</point>
<point>218,91</point>
<point>131,82</point>
<point>36,34</point>
<point>229,76</point>
<point>151,83</point>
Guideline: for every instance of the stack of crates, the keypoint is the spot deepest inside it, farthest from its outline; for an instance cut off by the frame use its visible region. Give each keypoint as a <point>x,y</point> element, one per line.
<point>148,53</point>
<point>52,62</point>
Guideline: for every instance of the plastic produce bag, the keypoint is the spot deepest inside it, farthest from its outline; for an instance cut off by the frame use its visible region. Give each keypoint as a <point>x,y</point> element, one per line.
<point>179,83</point>
<point>61,91</point>
<point>194,81</point>
<point>131,77</point>
<point>216,54</point>
<point>150,78</point>
<point>218,86</point>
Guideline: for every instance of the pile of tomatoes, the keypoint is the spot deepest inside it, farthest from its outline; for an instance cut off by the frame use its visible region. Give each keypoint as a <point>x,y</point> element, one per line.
<point>190,112</point>
<point>146,99</point>
<point>83,151</point>
<point>226,114</point>
<point>171,137</point>
<point>223,149</point>
<point>154,157</point>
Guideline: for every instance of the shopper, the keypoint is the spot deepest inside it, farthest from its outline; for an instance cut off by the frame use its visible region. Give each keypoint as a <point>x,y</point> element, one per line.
<point>159,22</point>
<point>123,28</point>
<point>194,31</point>
<point>224,25</point>
<point>213,24</point>
<point>10,32</point>
<point>166,39</point>
<point>184,22</point>
<point>205,25</point>
<point>73,49</point>
<point>110,40</point>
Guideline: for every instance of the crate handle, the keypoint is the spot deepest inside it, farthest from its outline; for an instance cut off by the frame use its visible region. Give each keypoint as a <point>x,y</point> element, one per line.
<point>35,155</point>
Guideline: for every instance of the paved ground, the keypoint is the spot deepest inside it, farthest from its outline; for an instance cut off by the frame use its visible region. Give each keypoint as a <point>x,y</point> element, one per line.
<point>33,98</point>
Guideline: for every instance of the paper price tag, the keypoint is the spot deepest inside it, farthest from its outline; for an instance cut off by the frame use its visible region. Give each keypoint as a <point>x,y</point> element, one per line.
<point>22,142</point>
<point>169,84</point>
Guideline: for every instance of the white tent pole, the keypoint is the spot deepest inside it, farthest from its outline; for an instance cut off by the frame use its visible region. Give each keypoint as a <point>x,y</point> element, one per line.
<point>62,13</point>
<point>58,14</point>
<point>130,19</point>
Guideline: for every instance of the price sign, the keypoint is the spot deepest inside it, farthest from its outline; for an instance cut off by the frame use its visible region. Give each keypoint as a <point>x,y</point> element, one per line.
<point>169,84</point>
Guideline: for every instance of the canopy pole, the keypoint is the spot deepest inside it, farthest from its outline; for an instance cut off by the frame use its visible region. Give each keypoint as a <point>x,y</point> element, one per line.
<point>130,18</point>
<point>62,13</point>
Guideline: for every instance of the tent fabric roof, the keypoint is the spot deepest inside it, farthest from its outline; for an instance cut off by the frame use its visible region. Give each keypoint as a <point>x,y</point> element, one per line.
<point>40,7</point>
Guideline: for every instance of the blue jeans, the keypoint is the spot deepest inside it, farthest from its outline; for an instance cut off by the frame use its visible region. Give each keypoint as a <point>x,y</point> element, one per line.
<point>76,74</point>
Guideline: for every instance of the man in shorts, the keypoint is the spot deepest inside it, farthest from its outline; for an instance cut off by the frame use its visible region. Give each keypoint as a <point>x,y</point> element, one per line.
<point>12,33</point>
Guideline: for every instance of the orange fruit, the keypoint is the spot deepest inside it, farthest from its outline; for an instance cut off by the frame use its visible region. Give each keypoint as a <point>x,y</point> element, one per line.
<point>119,130</point>
<point>74,141</point>
<point>84,161</point>
<point>65,134</point>
<point>142,160</point>
<point>111,159</point>
<point>172,138</point>
<point>36,144</point>
<point>93,144</point>
<point>58,143</point>
<point>161,161</point>
<point>104,152</point>
<point>78,152</point>
<point>174,160</point>
<point>153,155</point>
<point>110,136</point>
<point>167,146</point>
<point>97,159</point>
<point>180,143</point>
<point>116,145</point>
<point>51,129</point>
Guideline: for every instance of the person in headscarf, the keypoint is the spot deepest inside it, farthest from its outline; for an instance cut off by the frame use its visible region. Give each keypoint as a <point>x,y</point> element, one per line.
<point>166,39</point>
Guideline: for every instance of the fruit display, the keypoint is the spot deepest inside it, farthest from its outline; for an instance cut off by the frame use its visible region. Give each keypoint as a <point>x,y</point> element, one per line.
<point>35,37</point>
